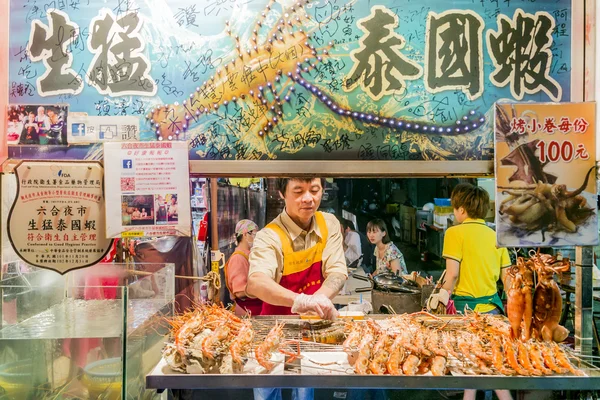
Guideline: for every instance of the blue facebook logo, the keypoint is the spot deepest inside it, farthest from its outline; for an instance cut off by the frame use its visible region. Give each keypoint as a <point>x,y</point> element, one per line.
<point>127,164</point>
<point>78,129</point>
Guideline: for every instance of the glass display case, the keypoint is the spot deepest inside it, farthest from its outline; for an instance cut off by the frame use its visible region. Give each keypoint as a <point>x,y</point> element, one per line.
<point>93,333</point>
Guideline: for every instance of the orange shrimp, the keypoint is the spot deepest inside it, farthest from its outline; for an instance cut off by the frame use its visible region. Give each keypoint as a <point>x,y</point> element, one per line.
<point>511,357</point>
<point>550,361</point>
<point>419,342</point>
<point>477,349</point>
<point>411,365</point>
<point>210,344</point>
<point>433,343</point>
<point>361,366</point>
<point>397,354</point>
<point>424,366</point>
<point>353,338</point>
<point>380,355</point>
<point>449,343</point>
<point>563,361</point>
<point>465,349</point>
<point>535,355</point>
<point>438,366</point>
<point>264,351</point>
<point>523,357</point>
<point>411,345</point>
<point>241,344</point>
<point>498,358</point>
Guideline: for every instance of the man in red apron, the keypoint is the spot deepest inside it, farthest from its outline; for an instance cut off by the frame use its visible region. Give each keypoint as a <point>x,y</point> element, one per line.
<point>297,262</point>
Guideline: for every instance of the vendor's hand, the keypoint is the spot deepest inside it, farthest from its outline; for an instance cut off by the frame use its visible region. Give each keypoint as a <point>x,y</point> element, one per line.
<point>435,299</point>
<point>317,303</point>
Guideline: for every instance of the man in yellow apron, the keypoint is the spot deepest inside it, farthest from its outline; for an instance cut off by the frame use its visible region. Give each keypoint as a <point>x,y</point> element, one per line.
<point>297,262</point>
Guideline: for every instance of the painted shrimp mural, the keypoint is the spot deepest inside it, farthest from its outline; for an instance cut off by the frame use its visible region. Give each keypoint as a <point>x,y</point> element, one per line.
<point>267,71</point>
<point>291,80</point>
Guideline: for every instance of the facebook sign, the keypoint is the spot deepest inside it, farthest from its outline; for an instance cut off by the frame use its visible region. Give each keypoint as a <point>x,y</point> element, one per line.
<point>127,164</point>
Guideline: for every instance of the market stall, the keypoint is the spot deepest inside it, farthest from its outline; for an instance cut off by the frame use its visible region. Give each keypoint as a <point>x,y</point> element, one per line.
<point>394,89</point>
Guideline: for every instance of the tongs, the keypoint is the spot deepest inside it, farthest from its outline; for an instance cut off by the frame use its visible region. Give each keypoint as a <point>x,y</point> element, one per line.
<point>365,279</point>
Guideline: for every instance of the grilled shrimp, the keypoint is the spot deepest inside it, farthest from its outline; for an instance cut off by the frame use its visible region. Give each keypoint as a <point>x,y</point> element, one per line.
<point>265,350</point>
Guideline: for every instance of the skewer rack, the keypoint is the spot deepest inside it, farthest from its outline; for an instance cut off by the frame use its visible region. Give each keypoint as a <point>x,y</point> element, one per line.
<point>161,378</point>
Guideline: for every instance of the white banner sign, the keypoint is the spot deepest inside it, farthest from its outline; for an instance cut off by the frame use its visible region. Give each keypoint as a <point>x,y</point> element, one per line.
<point>147,189</point>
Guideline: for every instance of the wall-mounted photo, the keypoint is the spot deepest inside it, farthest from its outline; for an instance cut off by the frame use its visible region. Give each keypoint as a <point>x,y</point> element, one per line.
<point>37,124</point>
<point>137,210</point>
<point>167,209</point>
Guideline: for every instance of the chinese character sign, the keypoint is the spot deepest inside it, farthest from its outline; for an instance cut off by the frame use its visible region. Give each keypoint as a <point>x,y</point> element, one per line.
<point>545,174</point>
<point>326,80</point>
<point>57,219</point>
<point>147,189</point>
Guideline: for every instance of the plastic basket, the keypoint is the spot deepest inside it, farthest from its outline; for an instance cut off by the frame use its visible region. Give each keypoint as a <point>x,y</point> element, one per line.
<point>104,371</point>
<point>16,373</point>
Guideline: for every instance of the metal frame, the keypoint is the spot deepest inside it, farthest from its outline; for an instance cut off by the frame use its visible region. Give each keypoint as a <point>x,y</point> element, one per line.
<point>340,169</point>
<point>184,381</point>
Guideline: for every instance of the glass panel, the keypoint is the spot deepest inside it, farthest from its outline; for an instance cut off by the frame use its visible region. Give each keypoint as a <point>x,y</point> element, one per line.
<point>78,335</point>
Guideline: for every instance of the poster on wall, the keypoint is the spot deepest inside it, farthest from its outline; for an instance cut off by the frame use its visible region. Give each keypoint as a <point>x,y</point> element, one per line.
<point>57,218</point>
<point>545,175</point>
<point>327,80</point>
<point>40,124</point>
<point>147,189</point>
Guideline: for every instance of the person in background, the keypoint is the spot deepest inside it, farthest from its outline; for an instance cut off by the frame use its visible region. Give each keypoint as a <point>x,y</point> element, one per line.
<point>144,213</point>
<point>136,213</point>
<point>297,263</point>
<point>352,247</point>
<point>388,256</point>
<point>473,262</point>
<point>30,134</point>
<point>55,132</point>
<point>236,269</point>
<point>173,210</point>
<point>43,123</point>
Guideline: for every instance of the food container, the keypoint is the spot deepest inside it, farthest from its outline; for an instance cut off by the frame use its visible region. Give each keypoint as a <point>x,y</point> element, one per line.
<point>104,378</point>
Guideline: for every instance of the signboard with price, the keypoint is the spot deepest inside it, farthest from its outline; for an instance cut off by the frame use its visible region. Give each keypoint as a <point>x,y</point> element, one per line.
<point>545,174</point>
<point>57,219</point>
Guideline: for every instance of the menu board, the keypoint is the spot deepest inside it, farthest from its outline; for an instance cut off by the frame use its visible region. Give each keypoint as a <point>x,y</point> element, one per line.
<point>546,174</point>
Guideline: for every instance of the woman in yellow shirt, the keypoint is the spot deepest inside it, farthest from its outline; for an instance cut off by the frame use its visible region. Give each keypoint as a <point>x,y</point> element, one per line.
<point>473,262</point>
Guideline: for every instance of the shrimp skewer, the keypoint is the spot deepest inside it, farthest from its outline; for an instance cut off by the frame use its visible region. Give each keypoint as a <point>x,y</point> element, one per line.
<point>498,358</point>
<point>241,344</point>
<point>523,357</point>
<point>364,354</point>
<point>212,344</point>
<point>438,366</point>
<point>535,355</point>
<point>550,361</point>
<point>411,365</point>
<point>563,361</point>
<point>380,355</point>
<point>397,355</point>
<point>353,338</point>
<point>265,350</point>
<point>511,357</point>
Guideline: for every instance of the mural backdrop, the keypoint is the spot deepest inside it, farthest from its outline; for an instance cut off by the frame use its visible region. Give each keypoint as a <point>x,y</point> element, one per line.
<point>258,79</point>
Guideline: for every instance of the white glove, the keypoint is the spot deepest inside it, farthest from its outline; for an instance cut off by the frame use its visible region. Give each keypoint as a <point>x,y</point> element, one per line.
<point>435,299</point>
<point>316,304</point>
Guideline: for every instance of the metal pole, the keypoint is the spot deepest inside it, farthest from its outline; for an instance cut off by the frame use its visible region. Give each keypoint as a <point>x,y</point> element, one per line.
<point>584,257</point>
<point>214,217</point>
